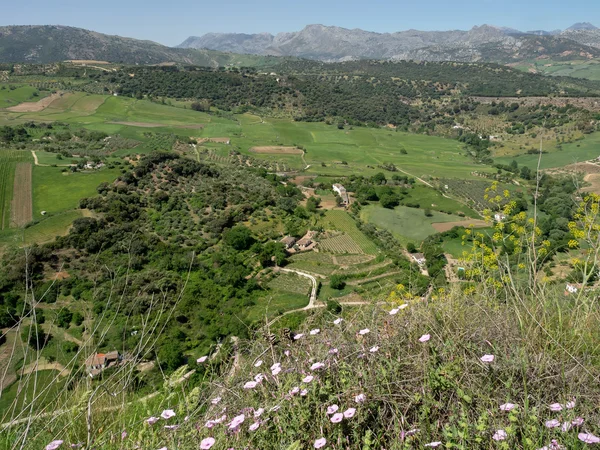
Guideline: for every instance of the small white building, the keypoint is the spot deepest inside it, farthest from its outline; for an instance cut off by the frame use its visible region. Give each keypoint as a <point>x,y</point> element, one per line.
<point>341,191</point>
<point>499,217</point>
<point>419,258</point>
<point>572,288</point>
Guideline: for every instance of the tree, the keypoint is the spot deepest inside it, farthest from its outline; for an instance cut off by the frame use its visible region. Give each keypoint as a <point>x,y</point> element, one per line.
<point>389,200</point>
<point>312,204</point>
<point>525,173</point>
<point>77,318</point>
<point>239,237</point>
<point>428,213</point>
<point>337,282</point>
<point>410,248</point>
<point>170,355</point>
<point>35,336</point>
<point>378,178</point>
<point>64,318</point>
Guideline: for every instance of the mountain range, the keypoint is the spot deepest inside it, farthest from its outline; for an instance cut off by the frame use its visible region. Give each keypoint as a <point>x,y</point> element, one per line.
<point>486,43</point>
<point>481,43</point>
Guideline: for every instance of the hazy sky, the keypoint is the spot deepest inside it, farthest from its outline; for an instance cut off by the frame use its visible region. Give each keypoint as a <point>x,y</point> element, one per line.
<point>170,22</point>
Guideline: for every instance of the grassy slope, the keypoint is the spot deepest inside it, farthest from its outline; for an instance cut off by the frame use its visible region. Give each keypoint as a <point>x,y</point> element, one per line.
<point>55,191</point>
<point>406,224</point>
<point>21,94</point>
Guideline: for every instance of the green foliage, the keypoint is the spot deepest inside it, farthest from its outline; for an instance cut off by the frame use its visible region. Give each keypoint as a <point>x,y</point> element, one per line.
<point>337,282</point>
<point>239,237</point>
<point>35,336</point>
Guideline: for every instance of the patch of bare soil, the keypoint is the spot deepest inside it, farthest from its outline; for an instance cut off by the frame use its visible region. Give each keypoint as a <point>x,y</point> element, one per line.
<point>38,106</point>
<point>197,126</point>
<point>594,180</point>
<point>445,226</point>
<point>277,150</point>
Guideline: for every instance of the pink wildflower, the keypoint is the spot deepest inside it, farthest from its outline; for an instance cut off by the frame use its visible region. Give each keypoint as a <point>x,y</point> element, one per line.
<point>365,331</point>
<point>254,426</point>
<point>258,363</point>
<point>333,351</point>
<point>507,407</point>
<point>259,412</point>
<point>276,365</point>
<point>552,423</point>
<point>349,413</point>
<point>259,377</point>
<point>487,358</point>
<point>152,420</point>
<point>298,336</point>
<point>425,338</point>
<point>276,370</point>
<point>304,392</point>
<point>237,421</point>
<point>123,435</point>
<point>317,366</point>
<point>315,331</point>
<point>360,398</point>
<point>167,414</point>
<point>54,445</point>
<point>338,320</point>
<point>556,407</point>
<point>216,400</point>
<point>588,438</point>
<point>319,443</point>
<point>433,444</point>
<point>571,404</point>
<point>201,359</point>
<point>250,385</point>
<point>171,427</point>
<point>207,443</point>
<point>337,418</point>
<point>287,353</point>
<point>295,390</point>
<point>499,435</point>
<point>308,379</point>
<point>275,408</point>
<point>577,422</point>
<point>210,424</point>
<point>566,426</point>
<point>374,349</point>
<point>332,409</point>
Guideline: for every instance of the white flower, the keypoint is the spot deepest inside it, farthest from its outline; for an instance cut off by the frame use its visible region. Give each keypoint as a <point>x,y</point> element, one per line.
<point>167,414</point>
<point>315,331</point>
<point>360,398</point>
<point>258,363</point>
<point>202,359</point>
<point>507,407</point>
<point>338,320</point>
<point>374,349</point>
<point>365,331</point>
<point>317,366</point>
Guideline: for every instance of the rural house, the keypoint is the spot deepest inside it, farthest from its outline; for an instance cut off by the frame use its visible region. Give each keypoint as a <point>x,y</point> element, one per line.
<point>499,217</point>
<point>100,361</point>
<point>572,288</point>
<point>288,241</point>
<point>341,191</point>
<point>419,258</point>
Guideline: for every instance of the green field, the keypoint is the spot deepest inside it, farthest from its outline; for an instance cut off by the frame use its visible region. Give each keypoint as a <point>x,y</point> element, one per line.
<point>586,149</point>
<point>11,95</point>
<point>427,197</point>
<point>406,224</point>
<point>275,304</point>
<point>56,191</point>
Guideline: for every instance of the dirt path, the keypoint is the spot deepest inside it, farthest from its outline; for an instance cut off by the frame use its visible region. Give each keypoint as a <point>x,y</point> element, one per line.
<point>37,162</point>
<point>36,367</point>
<point>313,293</point>
<point>198,126</point>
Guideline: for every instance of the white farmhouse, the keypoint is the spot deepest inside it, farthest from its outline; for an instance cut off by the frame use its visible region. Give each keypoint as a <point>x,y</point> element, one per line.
<point>499,217</point>
<point>419,258</point>
<point>341,191</point>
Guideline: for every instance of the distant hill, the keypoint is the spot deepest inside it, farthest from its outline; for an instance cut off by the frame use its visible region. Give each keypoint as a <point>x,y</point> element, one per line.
<point>50,43</point>
<point>481,43</point>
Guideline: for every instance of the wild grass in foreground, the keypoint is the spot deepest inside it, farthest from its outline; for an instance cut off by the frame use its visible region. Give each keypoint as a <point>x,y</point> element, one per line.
<point>458,371</point>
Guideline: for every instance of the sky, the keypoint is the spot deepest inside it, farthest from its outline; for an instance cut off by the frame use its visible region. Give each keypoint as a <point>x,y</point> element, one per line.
<point>171,22</point>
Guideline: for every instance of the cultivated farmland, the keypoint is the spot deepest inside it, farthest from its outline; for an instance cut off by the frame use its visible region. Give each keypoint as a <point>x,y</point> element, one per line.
<point>21,206</point>
<point>341,221</point>
<point>340,244</point>
<point>8,161</point>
